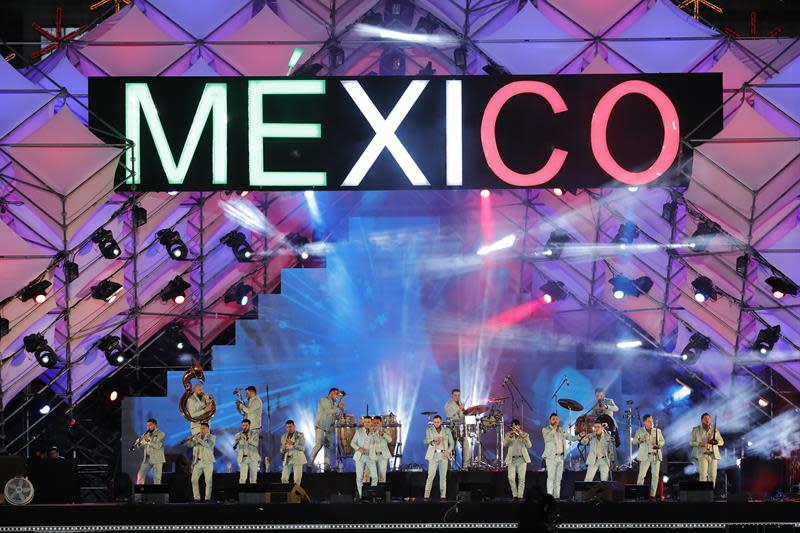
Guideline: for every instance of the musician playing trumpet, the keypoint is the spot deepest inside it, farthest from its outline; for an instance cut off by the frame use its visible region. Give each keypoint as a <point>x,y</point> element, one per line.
<point>705,442</point>
<point>555,449</point>
<point>454,411</point>
<point>198,404</point>
<point>517,458</point>
<point>440,445</point>
<point>246,442</point>
<point>152,441</point>
<point>382,438</point>
<point>203,462</point>
<point>651,441</point>
<point>600,455</point>
<point>250,408</point>
<point>329,406</point>
<point>293,449</point>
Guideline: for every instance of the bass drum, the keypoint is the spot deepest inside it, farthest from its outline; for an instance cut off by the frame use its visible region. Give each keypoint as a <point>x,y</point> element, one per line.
<point>346,428</point>
<point>585,424</point>
<point>611,427</point>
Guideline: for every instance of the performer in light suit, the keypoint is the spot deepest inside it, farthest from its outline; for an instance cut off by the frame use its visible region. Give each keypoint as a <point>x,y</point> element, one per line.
<point>382,452</point>
<point>517,458</point>
<point>603,405</point>
<point>705,442</point>
<point>555,449</point>
<point>203,464</point>
<point>601,448</point>
<point>454,410</point>
<point>198,403</point>
<point>327,409</point>
<point>365,447</point>
<point>651,441</point>
<point>293,448</point>
<point>251,409</point>
<point>440,446</point>
<point>153,443</point>
<point>248,457</point>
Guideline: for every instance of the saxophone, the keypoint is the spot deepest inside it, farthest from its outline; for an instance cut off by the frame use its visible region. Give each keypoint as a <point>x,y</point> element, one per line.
<point>195,372</point>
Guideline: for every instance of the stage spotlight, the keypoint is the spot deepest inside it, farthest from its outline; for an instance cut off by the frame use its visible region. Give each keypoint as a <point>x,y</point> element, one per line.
<point>698,343</point>
<point>299,243</point>
<point>36,344</point>
<point>171,240</point>
<point>669,211</point>
<point>308,70</point>
<point>558,192</point>
<point>665,479</point>
<point>35,290</point>
<point>627,345</point>
<point>633,189</point>
<point>742,263</point>
<point>460,57</point>
<point>4,326</point>
<point>781,287</point>
<point>106,290</point>
<point>626,233</point>
<point>238,244</point>
<point>623,286</point>
<point>506,242</point>
<point>43,410</point>
<point>493,69</point>
<point>70,271</point>
<point>706,230</point>
<point>555,244</point>
<point>553,291</point>
<point>683,392</point>
<point>179,345</point>
<point>138,216</point>
<point>111,348</point>
<point>372,19</point>
<point>749,444</point>
<point>336,55</point>
<point>106,243</point>
<point>704,289</point>
<point>175,290</point>
<point>112,397</point>
<point>766,339</point>
<point>239,293</point>
<point>763,402</point>
<point>427,24</point>
<point>486,193</point>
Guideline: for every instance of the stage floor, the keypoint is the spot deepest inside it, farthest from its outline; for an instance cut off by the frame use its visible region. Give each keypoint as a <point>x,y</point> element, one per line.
<point>500,516</point>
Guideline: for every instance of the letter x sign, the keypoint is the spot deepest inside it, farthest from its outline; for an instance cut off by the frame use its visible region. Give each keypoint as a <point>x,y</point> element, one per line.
<point>385,136</point>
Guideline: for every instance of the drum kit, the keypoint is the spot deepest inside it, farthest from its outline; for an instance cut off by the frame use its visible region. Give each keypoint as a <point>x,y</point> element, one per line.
<point>478,420</point>
<point>345,430</point>
<point>585,422</point>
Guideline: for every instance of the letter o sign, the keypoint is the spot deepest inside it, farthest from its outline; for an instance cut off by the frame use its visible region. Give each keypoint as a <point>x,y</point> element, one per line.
<point>669,118</point>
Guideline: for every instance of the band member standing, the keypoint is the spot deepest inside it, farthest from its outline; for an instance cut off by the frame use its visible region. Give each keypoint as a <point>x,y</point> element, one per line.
<point>517,458</point>
<point>651,441</point>
<point>440,446</point>
<point>603,405</point>
<point>454,410</point>
<point>601,448</point>
<point>555,448</point>
<point>251,408</point>
<point>705,442</point>
<point>203,464</point>
<point>198,403</point>
<point>293,448</point>
<point>153,443</point>
<point>327,409</point>
<point>365,447</point>
<point>248,457</point>
<point>382,453</point>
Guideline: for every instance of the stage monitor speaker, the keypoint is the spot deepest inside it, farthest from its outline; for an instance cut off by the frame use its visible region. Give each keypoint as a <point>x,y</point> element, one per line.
<point>375,494</point>
<point>474,491</point>
<point>696,492</point>
<point>153,494</point>
<point>340,498</point>
<point>599,491</point>
<point>285,493</point>
<point>637,492</point>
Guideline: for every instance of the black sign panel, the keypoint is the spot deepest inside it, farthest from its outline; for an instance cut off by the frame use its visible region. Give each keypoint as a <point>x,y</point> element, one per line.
<point>401,133</point>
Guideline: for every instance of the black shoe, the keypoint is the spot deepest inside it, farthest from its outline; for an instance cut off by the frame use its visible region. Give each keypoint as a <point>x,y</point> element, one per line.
<point>514,500</point>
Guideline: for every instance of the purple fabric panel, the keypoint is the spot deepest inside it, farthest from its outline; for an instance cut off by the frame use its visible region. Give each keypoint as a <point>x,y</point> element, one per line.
<point>787,99</point>
<point>199,18</point>
<point>17,107</point>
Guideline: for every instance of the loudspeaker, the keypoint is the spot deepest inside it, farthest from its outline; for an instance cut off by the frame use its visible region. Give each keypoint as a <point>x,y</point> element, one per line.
<point>598,491</point>
<point>252,493</point>
<point>375,494</point>
<point>340,498</point>
<point>637,492</point>
<point>473,491</point>
<point>154,494</point>
<point>696,491</point>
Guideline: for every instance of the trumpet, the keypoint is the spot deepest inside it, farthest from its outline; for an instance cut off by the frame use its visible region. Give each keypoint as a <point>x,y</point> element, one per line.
<point>238,439</point>
<point>190,437</point>
<point>138,441</point>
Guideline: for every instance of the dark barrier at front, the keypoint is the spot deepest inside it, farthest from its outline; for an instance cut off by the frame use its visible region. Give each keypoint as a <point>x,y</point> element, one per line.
<point>383,133</point>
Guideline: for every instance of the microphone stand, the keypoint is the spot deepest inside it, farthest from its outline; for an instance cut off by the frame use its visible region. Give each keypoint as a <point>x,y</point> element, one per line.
<point>511,393</point>
<point>522,404</point>
<point>555,394</point>
<point>268,461</point>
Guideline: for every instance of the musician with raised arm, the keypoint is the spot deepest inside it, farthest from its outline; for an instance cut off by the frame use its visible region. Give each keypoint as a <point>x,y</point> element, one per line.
<point>705,441</point>
<point>246,444</point>
<point>454,411</point>
<point>555,449</point>
<point>518,442</point>
<point>440,445</point>
<point>651,442</point>
<point>153,443</point>
<point>328,407</point>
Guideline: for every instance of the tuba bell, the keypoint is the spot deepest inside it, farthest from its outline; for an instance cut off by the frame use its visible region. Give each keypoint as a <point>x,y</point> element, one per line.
<point>195,372</point>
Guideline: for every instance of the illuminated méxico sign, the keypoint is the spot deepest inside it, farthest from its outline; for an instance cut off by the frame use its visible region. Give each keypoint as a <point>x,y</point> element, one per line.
<point>401,133</point>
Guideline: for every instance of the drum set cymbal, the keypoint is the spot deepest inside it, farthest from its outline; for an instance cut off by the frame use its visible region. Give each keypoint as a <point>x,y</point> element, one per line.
<point>570,405</point>
<point>428,413</point>
<point>476,410</point>
<point>497,400</point>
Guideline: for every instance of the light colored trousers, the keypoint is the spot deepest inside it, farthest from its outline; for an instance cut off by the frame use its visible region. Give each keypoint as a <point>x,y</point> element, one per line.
<point>437,463</point>
<point>555,469</point>
<point>207,471</point>
<point>373,472</point>
<point>602,465</point>
<point>326,439</point>
<point>383,466</point>
<point>466,452</point>
<point>295,469</point>
<point>248,466</point>
<point>654,465</point>
<point>141,477</point>
<point>516,477</point>
<point>707,468</point>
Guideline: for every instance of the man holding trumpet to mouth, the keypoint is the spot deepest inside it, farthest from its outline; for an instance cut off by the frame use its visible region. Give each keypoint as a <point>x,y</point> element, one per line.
<point>440,446</point>
<point>517,458</point>
<point>248,457</point>
<point>203,463</point>
<point>153,443</point>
